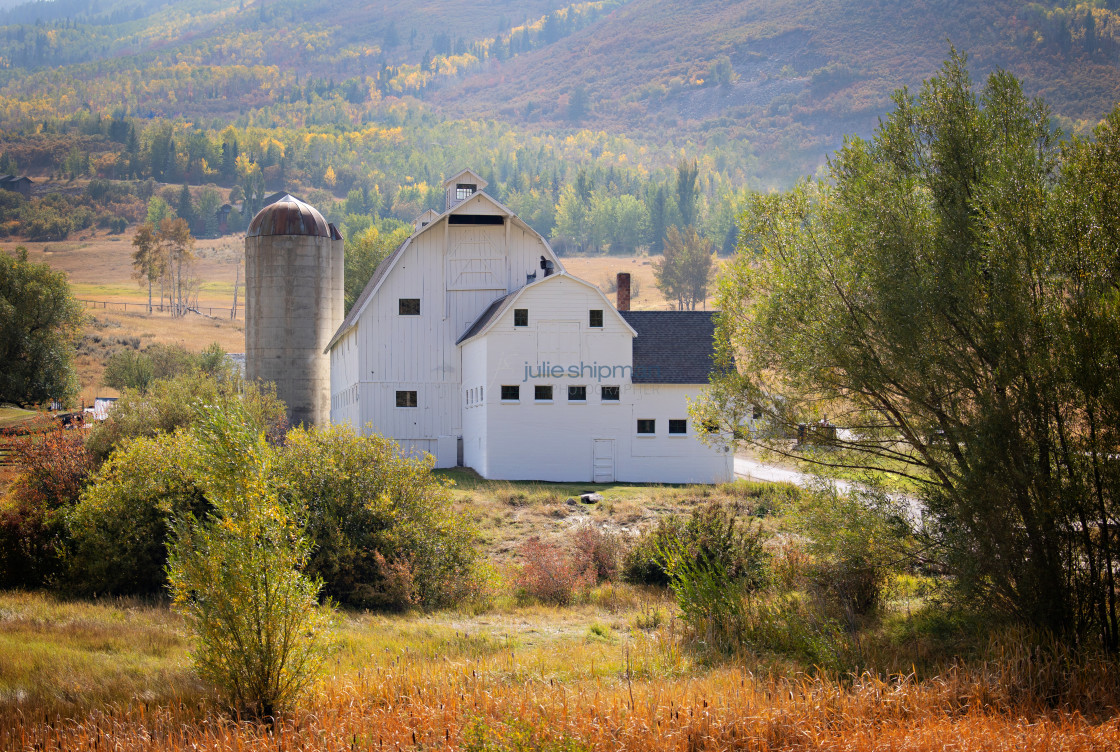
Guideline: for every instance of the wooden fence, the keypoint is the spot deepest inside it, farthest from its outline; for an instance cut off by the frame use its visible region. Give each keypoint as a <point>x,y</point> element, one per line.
<point>211,311</point>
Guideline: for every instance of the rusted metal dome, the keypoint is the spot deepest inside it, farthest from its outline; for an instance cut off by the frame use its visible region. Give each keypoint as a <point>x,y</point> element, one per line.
<point>289,216</point>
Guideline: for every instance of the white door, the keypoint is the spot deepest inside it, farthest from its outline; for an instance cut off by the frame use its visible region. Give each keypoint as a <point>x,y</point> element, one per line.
<point>603,461</point>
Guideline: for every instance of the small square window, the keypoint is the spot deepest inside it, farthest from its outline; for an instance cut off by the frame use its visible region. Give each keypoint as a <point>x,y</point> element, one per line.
<point>611,394</point>
<point>464,190</point>
<point>577,394</point>
<point>678,426</point>
<point>511,393</point>
<point>521,317</point>
<point>596,319</point>
<point>406,399</point>
<point>409,306</point>
<point>647,426</point>
<point>542,392</point>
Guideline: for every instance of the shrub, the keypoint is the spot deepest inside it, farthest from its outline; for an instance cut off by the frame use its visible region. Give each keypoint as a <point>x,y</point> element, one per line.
<point>384,532</point>
<point>713,534</point>
<point>119,529</point>
<point>235,575</point>
<point>599,552</point>
<point>167,406</point>
<point>854,542</point>
<point>54,465</point>
<point>550,574</point>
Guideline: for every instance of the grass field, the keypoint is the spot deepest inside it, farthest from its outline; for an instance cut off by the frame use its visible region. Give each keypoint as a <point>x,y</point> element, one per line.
<point>610,671</point>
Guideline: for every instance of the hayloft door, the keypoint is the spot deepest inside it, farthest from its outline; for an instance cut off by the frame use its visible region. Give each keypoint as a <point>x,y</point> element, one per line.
<point>603,461</point>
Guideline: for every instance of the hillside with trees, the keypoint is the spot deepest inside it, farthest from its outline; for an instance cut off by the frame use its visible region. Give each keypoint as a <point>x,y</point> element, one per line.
<point>765,89</point>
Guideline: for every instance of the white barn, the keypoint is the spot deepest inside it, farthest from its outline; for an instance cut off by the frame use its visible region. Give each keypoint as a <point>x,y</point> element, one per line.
<point>472,343</point>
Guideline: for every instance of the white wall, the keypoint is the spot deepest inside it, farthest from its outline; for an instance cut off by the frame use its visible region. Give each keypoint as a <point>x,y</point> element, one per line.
<point>554,441</point>
<point>456,271</point>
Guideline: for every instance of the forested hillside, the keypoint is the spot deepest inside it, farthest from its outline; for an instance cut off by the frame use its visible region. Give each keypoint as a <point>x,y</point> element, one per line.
<point>577,113</point>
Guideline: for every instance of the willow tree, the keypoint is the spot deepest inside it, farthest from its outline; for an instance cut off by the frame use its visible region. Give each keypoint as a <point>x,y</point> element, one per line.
<point>950,295</point>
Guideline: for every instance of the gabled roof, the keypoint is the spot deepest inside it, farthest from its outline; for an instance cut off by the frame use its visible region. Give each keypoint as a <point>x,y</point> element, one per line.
<point>471,177</point>
<point>494,312</point>
<point>673,347</point>
<point>383,269</point>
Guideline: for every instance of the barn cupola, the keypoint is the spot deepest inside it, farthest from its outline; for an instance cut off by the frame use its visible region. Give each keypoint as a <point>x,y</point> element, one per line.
<point>462,186</point>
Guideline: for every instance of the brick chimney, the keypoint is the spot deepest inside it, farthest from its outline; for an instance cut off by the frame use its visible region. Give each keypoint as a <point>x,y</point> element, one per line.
<point>623,284</point>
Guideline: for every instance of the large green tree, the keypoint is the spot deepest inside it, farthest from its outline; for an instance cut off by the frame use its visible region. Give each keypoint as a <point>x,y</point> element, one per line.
<point>39,325</point>
<point>951,295</point>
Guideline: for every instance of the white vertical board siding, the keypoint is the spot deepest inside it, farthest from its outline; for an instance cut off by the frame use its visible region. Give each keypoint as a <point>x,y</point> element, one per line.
<point>556,440</point>
<point>666,458</point>
<point>552,441</point>
<point>474,413</point>
<point>344,381</point>
<point>456,271</point>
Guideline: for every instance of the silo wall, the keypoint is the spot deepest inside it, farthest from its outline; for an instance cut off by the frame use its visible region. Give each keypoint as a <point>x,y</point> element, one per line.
<point>293,295</point>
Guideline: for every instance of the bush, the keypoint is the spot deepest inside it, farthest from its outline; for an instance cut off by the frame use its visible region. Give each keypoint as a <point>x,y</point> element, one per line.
<point>384,532</point>
<point>598,552</point>
<point>713,534</point>
<point>713,568</point>
<point>54,465</point>
<point>119,529</point>
<point>550,574</point>
<point>235,575</point>
<point>855,542</point>
<point>167,406</point>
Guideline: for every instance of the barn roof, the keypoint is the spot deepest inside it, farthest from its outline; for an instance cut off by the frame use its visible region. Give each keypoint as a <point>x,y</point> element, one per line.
<point>387,265</point>
<point>673,347</point>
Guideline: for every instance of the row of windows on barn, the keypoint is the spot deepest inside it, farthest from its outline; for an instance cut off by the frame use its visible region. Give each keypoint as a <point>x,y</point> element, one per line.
<point>543,393</point>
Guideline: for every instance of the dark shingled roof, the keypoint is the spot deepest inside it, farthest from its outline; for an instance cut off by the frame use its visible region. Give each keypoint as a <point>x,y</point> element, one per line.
<point>672,347</point>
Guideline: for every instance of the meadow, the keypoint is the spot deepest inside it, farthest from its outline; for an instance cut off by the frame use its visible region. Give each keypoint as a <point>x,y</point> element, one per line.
<point>613,670</point>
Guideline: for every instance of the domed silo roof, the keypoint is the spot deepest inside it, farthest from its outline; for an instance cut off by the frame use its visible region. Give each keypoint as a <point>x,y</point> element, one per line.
<point>289,216</point>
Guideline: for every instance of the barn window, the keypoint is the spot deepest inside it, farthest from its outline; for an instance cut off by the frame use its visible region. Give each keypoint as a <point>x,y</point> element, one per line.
<point>464,190</point>
<point>577,394</point>
<point>542,392</point>
<point>596,319</point>
<point>409,306</point>
<point>406,399</point>
<point>521,317</point>
<point>678,426</point>
<point>511,393</point>
<point>647,426</point>
<point>610,394</point>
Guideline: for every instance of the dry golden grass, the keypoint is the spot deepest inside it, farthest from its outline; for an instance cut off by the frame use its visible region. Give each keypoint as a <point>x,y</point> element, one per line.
<point>539,679</point>
<point>600,270</point>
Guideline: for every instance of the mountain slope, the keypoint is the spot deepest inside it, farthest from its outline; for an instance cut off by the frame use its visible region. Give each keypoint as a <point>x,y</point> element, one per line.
<point>771,84</point>
<point>804,72</point>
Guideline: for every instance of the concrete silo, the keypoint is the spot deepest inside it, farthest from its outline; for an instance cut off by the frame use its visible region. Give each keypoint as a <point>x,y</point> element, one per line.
<point>293,305</point>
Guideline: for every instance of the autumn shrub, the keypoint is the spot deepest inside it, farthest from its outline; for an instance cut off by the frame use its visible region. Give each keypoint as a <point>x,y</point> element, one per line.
<point>118,530</point>
<point>598,551</point>
<point>53,467</point>
<point>383,528</point>
<point>166,405</point>
<point>549,573</point>
<point>854,542</point>
<point>712,533</point>
<point>236,573</point>
<point>713,569</point>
